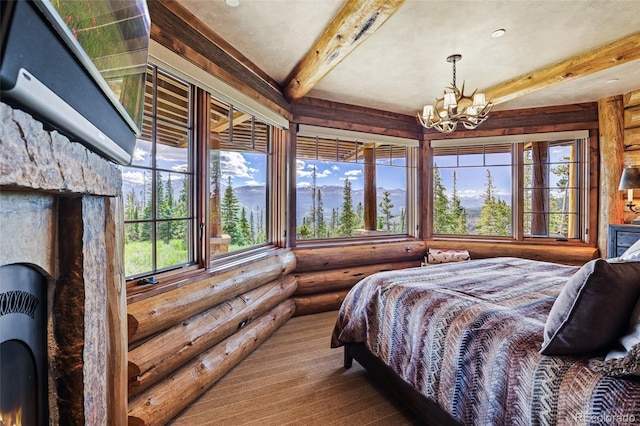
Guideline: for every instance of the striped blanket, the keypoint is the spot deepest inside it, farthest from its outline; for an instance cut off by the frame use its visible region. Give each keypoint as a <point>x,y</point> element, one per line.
<point>467,336</point>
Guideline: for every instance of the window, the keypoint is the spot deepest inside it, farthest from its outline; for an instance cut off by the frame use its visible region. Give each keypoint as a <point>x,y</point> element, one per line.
<point>351,188</point>
<point>157,186</point>
<point>166,192</point>
<point>238,162</point>
<point>518,190</point>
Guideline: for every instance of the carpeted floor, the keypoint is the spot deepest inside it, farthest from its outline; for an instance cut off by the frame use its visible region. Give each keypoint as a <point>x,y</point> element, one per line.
<point>295,378</point>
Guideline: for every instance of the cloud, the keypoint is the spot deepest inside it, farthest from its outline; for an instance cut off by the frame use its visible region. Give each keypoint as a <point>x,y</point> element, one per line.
<point>134,178</point>
<point>355,172</point>
<point>139,153</point>
<point>254,183</point>
<point>302,173</point>
<point>350,178</point>
<point>235,165</point>
<point>303,185</point>
<point>180,167</point>
<point>171,153</point>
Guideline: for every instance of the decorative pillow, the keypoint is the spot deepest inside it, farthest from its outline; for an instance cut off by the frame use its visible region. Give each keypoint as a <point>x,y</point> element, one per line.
<point>625,358</point>
<point>444,256</point>
<point>632,253</point>
<point>592,311</point>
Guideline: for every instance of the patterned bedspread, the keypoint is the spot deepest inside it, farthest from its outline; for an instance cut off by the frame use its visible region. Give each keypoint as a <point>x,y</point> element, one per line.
<point>467,336</point>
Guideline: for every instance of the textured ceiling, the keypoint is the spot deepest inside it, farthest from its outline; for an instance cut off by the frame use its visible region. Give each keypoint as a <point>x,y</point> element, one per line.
<point>403,64</point>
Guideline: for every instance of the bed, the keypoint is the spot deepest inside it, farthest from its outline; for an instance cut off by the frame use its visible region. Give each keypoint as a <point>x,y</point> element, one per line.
<point>461,342</point>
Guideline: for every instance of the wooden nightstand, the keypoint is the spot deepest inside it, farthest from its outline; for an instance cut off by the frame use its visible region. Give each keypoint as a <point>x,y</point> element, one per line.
<point>621,237</point>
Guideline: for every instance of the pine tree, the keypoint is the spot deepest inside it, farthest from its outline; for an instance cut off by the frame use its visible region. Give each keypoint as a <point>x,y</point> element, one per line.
<point>182,211</point>
<point>333,223</point>
<point>360,214</point>
<point>403,219</point>
<point>348,219</point>
<point>386,205</point>
<point>304,230</point>
<point>458,213</point>
<point>261,233</point>
<point>229,210</point>
<point>167,212</point>
<point>313,213</point>
<point>253,228</point>
<point>147,211</point>
<point>495,216</point>
<point>321,226</point>
<point>245,229</point>
<point>131,213</point>
<point>441,219</point>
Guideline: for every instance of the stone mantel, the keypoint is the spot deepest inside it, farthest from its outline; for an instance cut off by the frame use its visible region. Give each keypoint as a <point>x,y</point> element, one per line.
<point>61,213</point>
<point>37,159</point>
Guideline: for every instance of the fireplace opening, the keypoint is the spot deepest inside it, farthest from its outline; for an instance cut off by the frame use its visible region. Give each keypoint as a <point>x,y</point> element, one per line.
<point>18,400</point>
<point>23,348</point>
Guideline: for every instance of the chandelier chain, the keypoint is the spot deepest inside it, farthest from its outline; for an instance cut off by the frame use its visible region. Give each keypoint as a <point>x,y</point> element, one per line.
<point>454,73</point>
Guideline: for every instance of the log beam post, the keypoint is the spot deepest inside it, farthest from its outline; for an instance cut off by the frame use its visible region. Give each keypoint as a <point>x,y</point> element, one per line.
<point>611,118</point>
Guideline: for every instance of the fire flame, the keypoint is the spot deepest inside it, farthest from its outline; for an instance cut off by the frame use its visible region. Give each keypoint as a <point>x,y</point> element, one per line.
<point>11,418</point>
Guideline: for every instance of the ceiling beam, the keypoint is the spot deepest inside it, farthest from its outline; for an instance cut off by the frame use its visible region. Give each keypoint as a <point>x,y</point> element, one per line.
<point>610,55</point>
<point>353,24</point>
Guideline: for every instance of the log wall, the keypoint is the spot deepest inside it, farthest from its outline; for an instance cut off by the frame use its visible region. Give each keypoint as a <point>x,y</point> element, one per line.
<point>183,340</point>
<point>325,274</point>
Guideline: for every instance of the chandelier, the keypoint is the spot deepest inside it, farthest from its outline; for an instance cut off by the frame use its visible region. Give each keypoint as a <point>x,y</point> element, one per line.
<point>455,107</point>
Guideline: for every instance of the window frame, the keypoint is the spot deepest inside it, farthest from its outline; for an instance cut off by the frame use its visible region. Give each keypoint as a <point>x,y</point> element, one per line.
<point>412,155</point>
<point>588,187</point>
<point>199,137</point>
<point>152,168</point>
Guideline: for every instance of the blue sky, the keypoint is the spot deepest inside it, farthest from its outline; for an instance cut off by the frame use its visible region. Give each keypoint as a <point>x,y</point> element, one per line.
<point>334,174</point>
<point>249,169</point>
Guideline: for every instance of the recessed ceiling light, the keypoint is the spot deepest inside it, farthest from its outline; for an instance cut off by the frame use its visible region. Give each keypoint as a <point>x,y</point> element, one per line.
<point>498,33</point>
<point>233,3</point>
<point>613,80</point>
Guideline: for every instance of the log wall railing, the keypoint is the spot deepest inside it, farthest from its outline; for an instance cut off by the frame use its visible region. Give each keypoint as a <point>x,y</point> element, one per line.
<point>183,340</point>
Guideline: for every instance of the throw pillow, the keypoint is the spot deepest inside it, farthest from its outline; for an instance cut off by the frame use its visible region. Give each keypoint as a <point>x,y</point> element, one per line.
<point>446,255</point>
<point>624,359</point>
<point>593,309</point>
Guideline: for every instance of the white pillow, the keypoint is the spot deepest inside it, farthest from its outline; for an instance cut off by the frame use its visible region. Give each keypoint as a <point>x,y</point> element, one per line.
<point>446,255</point>
<point>625,358</point>
<point>632,253</point>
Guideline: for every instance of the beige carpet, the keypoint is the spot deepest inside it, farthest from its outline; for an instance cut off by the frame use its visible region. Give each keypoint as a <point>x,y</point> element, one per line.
<point>295,378</point>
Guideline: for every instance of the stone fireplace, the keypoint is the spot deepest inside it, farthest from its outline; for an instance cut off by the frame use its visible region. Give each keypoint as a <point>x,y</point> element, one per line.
<point>61,217</point>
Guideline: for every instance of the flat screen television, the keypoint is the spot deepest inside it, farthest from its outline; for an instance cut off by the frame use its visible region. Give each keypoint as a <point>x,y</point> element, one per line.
<point>78,66</point>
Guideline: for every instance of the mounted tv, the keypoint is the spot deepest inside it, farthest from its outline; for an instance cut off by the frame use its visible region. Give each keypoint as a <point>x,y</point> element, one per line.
<point>78,66</point>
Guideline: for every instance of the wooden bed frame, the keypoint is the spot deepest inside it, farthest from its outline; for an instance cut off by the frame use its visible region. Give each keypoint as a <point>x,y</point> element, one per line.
<point>424,408</point>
